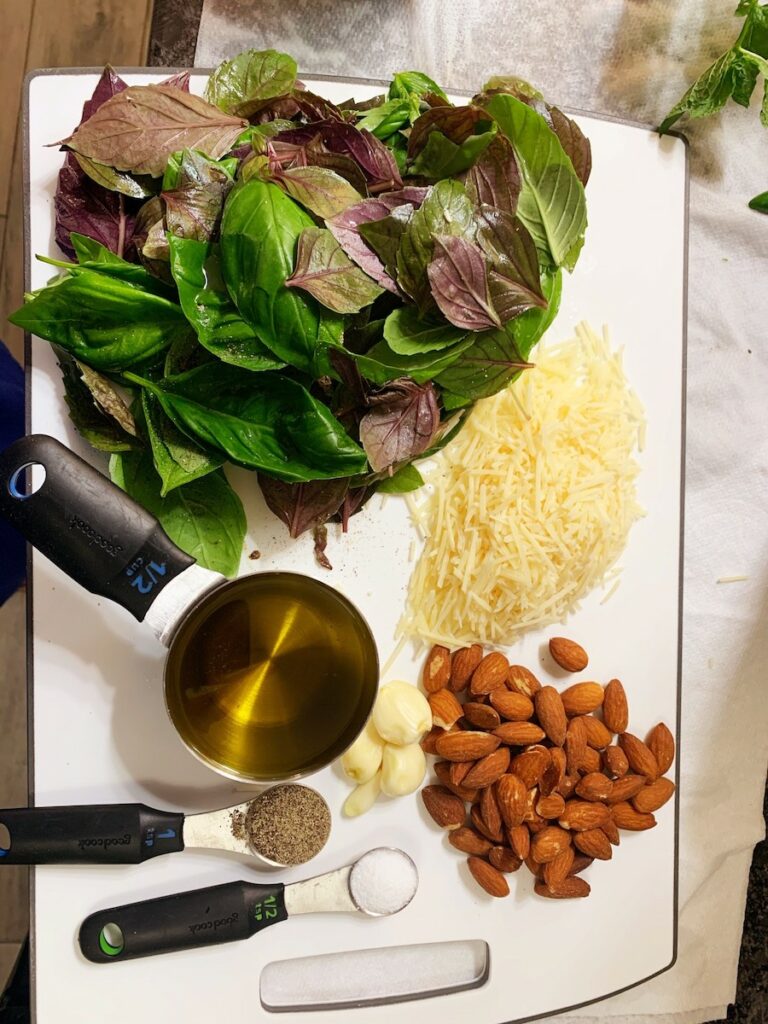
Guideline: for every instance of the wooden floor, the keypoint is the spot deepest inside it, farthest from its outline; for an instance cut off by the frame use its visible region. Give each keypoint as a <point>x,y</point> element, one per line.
<point>37,34</point>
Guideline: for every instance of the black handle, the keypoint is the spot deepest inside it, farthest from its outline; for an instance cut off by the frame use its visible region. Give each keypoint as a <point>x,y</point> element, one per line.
<point>91,834</point>
<point>85,524</point>
<point>201,917</point>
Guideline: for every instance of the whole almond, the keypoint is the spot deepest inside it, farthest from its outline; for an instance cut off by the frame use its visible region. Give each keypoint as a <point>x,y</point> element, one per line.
<point>575,745</point>
<point>557,870</point>
<point>615,707</point>
<point>479,825</point>
<point>469,841</point>
<point>593,843</point>
<point>511,796</point>
<point>490,811</point>
<point>559,762</point>
<point>429,739</point>
<point>466,745</point>
<point>615,763</point>
<point>459,771</point>
<point>488,877</point>
<point>537,870</point>
<point>522,680</point>
<point>652,797</point>
<point>582,815</point>
<point>546,845</point>
<point>581,863</point>
<point>443,772</point>
<point>520,841</point>
<point>628,818</point>
<point>518,734</point>
<point>611,830</point>
<point>582,698</point>
<point>551,713</point>
<point>444,807</point>
<point>568,654</point>
<point>626,788</point>
<point>572,888</point>
<point>530,765</point>
<point>463,664</point>
<point>551,806</point>
<point>661,743</point>
<point>490,674</point>
<point>504,860</point>
<point>598,736</point>
<point>481,716</point>
<point>437,669</point>
<point>640,758</point>
<point>594,786</point>
<point>446,710</point>
<point>487,769</point>
<point>550,780</point>
<point>567,786</point>
<point>515,707</point>
<point>590,761</point>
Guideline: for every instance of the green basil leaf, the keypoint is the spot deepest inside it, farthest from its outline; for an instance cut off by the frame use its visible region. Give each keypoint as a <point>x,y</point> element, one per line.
<point>209,309</point>
<point>403,480</point>
<point>178,460</point>
<point>319,189</point>
<point>260,231</point>
<point>381,365</point>
<point>408,83</point>
<point>708,94</point>
<point>441,158</point>
<point>117,181</point>
<point>103,321</point>
<point>92,255</point>
<point>263,421</point>
<point>241,85</point>
<point>386,119</point>
<point>326,272</point>
<point>205,518</point>
<point>552,205</point>
<point>407,335</point>
<point>759,203</point>
<point>529,327</point>
<point>105,423</point>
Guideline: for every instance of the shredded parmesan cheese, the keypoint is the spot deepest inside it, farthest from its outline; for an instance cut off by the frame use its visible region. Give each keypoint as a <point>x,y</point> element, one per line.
<point>530,506</point>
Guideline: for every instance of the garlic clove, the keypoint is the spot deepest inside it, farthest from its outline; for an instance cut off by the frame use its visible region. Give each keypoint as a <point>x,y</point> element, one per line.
<point>362,798</point>
<point>402,769</point>
<point>401,713</point>
<point>363,759</point>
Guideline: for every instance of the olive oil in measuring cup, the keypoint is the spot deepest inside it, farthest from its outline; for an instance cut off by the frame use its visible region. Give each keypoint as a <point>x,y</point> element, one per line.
<point>271,677</point>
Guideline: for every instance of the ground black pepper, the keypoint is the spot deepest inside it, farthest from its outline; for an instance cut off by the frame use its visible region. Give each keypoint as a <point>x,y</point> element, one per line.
<point>289,824</point>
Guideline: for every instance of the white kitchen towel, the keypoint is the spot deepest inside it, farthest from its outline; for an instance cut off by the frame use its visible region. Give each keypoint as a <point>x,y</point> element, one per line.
<point>633,59</point>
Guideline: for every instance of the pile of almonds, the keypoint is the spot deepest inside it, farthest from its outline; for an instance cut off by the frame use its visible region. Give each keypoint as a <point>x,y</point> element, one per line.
<point>545,782</point>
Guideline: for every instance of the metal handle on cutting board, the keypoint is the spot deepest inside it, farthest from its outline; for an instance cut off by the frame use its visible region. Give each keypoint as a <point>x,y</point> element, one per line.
<point>100,537</point>
<point>89,834</point>
<point>201,917</point>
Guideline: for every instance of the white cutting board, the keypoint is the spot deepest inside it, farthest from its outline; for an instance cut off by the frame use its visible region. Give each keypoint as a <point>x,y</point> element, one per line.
<point>101,733</point>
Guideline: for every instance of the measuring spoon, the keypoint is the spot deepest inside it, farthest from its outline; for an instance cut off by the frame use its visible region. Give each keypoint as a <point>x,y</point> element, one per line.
<point>381,882</point>
<point>132,833</point>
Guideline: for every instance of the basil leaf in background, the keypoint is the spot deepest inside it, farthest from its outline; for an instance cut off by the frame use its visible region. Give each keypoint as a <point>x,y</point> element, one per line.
<point>205,518</point>
<point>298,104</point>
<point>311,152</point>
<point>116,181</point>
<point>185,353</point>
<point>191,167</point>
<point>179,81</point>
<point>384,236</point>
<point>401,424</point>
<point>386,119</point>
<point>206,303</point>
<point>326,272</point>
<point>339,137</point>
<point>150,240</point>
<point>513,277</point>
<point>398,147</point>
<point>445,141</point>
<point>441,158</point>
<point>407,83</point>
<point>303,506</point>
<point>241,85</point>
<point>177,459</point>
<point>447,210</point>
<point>261,421</point>
<point>495,180</point>
<point>459,282</point>
<point>405,479</point>
<point>512,84</point>
<point>103,321</point>
<point>551,204</point>
<point>759,203</point>
<point>406,334</point>
<point>319,189</point>
<point>106,424</point>
<point>137,129</point>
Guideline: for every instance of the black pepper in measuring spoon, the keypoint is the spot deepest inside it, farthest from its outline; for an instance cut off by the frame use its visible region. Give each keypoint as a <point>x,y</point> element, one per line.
<point>287,825</point>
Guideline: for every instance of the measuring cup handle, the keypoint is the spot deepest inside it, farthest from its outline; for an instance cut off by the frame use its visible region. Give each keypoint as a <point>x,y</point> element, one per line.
<point>200,917</point>
<point>92,530</point>
<point>91,834</point>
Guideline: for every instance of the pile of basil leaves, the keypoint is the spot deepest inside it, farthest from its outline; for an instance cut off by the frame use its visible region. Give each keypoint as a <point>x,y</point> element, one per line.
<point>316,292</point>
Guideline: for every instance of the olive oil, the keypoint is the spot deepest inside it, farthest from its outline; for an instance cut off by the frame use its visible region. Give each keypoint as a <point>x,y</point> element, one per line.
<point>271,677</point>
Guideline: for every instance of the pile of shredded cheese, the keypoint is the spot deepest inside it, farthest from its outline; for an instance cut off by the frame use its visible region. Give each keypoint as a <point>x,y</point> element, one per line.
<point>529,508</point>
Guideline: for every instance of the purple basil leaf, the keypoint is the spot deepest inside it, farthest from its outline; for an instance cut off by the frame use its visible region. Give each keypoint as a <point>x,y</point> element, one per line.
<point>575,143</point>
<point>456,123</point>
<point>319,189</point>
<point>349,375</point>
<point>326,272</point>
<point>320,536</point>
<point>194,207</point>
<point>459,283</point>
<point>178,81</point>
<point>345,229</point>
<point>303,506</point>
<point>384,236</point>
<point>354,502</point>
<point>495,177</point>
<point>403,420</point>
<point>513,278</point>
<point>372,156</point>
<point>109,85</point>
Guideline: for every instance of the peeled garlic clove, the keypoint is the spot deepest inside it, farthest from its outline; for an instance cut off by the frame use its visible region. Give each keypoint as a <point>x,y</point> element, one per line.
<point>362,798</point>
<point>363,759</point>
<point>402,769</point>
<point>401,713</point>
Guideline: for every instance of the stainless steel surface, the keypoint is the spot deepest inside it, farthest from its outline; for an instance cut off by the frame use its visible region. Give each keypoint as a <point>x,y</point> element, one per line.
<point>177,597</point>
